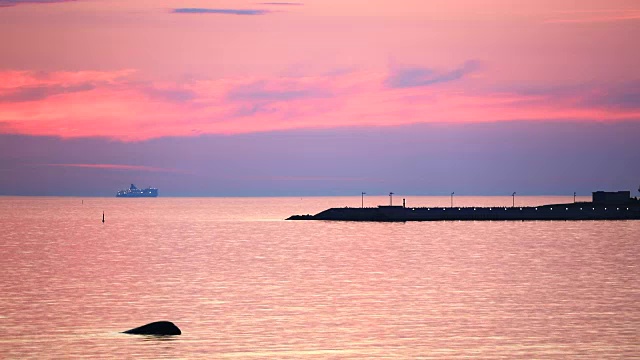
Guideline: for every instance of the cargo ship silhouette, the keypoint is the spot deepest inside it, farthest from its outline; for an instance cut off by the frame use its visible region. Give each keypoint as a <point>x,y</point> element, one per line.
<point>617,205</point>
<point>134,192</point>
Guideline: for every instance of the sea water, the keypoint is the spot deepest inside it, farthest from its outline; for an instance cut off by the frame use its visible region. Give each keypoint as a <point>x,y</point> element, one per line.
<point>242,283</point>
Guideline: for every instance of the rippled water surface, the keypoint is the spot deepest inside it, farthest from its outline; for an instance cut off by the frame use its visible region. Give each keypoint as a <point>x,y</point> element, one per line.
<point>242,283</point>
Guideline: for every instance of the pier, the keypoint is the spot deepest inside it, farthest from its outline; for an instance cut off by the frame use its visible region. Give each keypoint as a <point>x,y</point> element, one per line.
<point>604,206</point>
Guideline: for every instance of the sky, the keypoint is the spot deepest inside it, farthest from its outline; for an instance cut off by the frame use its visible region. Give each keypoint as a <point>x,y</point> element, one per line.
<point>319,97</point>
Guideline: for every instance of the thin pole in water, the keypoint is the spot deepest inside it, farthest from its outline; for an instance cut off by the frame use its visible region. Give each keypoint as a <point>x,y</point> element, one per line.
<point>103,217</point>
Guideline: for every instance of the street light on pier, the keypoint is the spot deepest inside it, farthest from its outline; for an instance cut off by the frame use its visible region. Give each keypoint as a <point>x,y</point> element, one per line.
<point>363,194</point>
<point>452,198</point>
<point>574,197</point>
<point>514,199</point>
<point>390,199</point>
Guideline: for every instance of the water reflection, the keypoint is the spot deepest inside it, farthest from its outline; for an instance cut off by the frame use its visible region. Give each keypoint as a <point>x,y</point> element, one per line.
<point>158,338</point>
<point>242,283</point>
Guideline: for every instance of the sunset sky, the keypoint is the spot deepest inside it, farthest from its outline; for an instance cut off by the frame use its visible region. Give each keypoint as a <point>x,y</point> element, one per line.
<point>319,97</point>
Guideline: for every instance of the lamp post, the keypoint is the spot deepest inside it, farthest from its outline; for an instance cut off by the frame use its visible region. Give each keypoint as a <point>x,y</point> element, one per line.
<point>390,199</point>
<point>363,194</point>
<point>574,197</point>
<point>513,204</point>
<point>452,198</point>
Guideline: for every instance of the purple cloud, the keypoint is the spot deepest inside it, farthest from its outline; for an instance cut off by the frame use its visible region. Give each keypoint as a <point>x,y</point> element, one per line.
<point>34,93</point>
<point>171,95</point>
<point>8,3</point>
<point>622,96</point>
<point>407,77</point>
<point>475,159</point>
<point>282,3</point>
<point>261,91</point>
<point>124,167</point>
<point>220,11</point>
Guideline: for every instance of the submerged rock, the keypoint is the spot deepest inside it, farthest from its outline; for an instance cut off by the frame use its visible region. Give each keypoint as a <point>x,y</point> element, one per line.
<point>156,328</point>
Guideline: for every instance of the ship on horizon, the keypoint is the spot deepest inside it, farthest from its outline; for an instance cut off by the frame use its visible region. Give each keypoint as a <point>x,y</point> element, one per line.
<point>134,192</point>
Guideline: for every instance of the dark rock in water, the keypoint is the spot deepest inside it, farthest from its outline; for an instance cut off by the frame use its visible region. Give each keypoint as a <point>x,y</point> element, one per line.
<point>156,328</point>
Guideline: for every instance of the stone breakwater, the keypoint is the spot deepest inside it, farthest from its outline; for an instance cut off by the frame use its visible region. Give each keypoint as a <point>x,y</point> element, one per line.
<point>574,211</point>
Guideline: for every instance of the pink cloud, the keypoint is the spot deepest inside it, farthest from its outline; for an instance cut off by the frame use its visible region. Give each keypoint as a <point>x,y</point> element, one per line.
<point>311,178</point>
<point>117,105</point>
<point>596,16</point>
<point>116,167</point>
<point>8,3</point>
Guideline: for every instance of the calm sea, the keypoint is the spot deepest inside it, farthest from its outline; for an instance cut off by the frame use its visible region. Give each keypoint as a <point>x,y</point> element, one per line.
<point>242,283</point>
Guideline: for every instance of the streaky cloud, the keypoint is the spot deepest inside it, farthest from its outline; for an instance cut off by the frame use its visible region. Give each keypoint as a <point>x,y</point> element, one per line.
<point>263,97</point>
<point>307,178</point>
<point>8,3</point>
<point>487,159</point>
<point>262,91</point>
<point>35,93</point>
<point>602,16</point>
<point>55,103</point>
<point>625,96</point>
<point>115,167</point>
<point>220,11</point>
<point>282,3</point>
<point>407,77</point>
<point>171,95</point>
<point>621,96</point>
